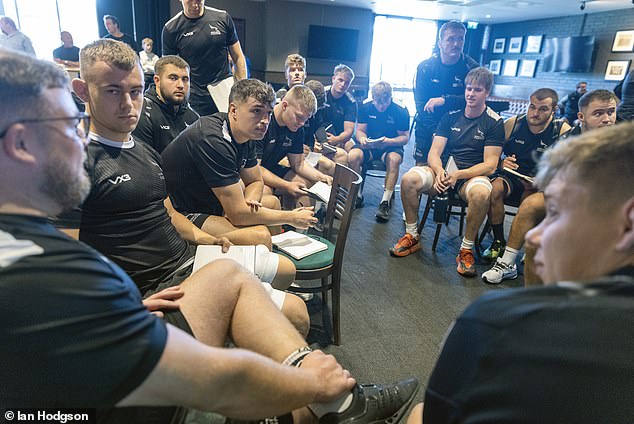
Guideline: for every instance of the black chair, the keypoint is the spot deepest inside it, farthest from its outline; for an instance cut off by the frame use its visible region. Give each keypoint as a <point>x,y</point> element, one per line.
<point>454,202</point>
<point>328,263</point>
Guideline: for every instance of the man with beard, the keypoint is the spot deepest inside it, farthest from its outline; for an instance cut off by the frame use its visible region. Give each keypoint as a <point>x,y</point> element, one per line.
<point>474,138</point>
<point>597,109</point>
<point>527,137</point>
<point>69,311</point>
<point>166,111</point>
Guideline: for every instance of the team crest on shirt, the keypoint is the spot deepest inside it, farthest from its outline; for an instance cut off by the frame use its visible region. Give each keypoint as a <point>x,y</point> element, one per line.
<point>479,135</point>
<point>390,120</point>
<point>214,30</point>
<point>287,142</point>
<point>243,163</point>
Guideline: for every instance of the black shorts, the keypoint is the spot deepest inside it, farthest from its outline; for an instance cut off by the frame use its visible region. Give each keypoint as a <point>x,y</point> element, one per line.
<point>377,154</point>
<point>198,219</point>
<point>171,316</point>
<point>423,137</point>
<point>279,170</point>
<point>515,184</point>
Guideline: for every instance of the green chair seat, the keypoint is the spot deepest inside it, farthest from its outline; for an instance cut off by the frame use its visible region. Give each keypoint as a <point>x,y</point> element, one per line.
<point>316,260</point>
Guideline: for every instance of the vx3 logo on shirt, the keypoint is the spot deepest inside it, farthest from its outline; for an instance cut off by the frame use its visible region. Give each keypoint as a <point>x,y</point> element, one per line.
<point>188,34</point>
<point>214,30</point>
<point>165,127</point>
<point>456,129</point>
<point>120,179</point>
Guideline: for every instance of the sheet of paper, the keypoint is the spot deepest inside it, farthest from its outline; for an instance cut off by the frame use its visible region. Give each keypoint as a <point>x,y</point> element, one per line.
<point>320,190</point>
<point>313,158</point>
<point>220,93</point>
<point>298,245</point>
<point>451,166</point>
<point>244,255</point>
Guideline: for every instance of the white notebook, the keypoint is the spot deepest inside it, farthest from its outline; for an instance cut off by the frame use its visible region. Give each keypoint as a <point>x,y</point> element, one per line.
<point>517,174</point>
<point>219,92</point>
<point>320,190</point>
<point>298,245</point>
<point>313,158</point>
<point>244,255</point>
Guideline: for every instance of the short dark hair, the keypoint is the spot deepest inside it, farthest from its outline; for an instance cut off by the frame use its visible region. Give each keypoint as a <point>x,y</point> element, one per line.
<point>252,88</point>
<point>600,94</point>
<point>113,18</point>
<point>170,59</point>
<point>451,25</point>
<point>114,53</point>
<point>23,80</point>
<point>545,93</point>
<point>319,92</point>
<point>581,82</point>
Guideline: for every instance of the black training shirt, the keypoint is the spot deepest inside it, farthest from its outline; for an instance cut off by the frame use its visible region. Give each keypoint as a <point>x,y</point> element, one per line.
<point>202,157</point>
<point>467,137</point>
<point>203,42</point>
<point>277,143</point>
<point>74,331</point>
<point>384,124</point>
<point>339,110</point>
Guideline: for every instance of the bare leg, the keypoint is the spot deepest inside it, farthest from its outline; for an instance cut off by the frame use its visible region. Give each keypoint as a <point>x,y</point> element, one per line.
<point>341,156</point>
<point>348,145</point>
<point>416,415</point>
<point>219,226</point>
<point>326,165</point>
<point>392,165</point>
<point>496,212</point>
<point>478,199</point>
<point>531,211</point>
<point>411,189</point>
<point>355,159</point>
<point>291,202</point>
<point>285,274</point>
<point>223,299</point>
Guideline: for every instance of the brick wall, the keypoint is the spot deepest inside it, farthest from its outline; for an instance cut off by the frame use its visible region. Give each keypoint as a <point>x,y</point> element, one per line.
<point>602,25</point>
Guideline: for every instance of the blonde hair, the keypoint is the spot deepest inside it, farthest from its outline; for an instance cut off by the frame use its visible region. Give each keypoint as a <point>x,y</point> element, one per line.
<point>600,159</point>
<point>381,92</point>
<point>114,53</point>
<point>294,59</point>
<point>303,97</point>
<point>344,69</point>
<point>482,76</point>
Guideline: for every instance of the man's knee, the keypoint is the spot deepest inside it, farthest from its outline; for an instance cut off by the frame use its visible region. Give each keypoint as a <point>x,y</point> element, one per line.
<point>498,191</point>
<point>418,178</point>
<point>477,192</point>
<point>355,157</point>
<point>285,273</point>
<point>393,160</point>
<point>261,235</point>
<point>294,309</point>
<point>271,202</point>
<point>533,208</point>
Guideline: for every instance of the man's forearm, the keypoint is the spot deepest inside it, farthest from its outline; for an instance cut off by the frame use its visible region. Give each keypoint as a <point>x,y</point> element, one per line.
<point>400,140</point>
<point>308,172</point>
<point>482,169</point>
<point>241,69</point>
<point>272,180</point>
<point>246,216</point>
<point>254,191</point>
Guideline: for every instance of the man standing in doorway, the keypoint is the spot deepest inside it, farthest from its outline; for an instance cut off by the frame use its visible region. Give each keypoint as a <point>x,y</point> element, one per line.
<point>203,36</point>
<point>114,32</point>
<point>439,85</point>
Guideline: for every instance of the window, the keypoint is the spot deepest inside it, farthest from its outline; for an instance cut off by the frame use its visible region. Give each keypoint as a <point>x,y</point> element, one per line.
<point>398,46</point>
<point>43,20</point>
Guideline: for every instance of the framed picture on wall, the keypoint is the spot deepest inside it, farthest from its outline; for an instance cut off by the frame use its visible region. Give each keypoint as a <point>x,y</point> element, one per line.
<point>623,41</point>
<point>498,45</point>
<point>533,43</point>
<point>528,68</point>
<point>616,70</point>
<point>510,67</point>
<point>515,45</point>
<point>495,66</point>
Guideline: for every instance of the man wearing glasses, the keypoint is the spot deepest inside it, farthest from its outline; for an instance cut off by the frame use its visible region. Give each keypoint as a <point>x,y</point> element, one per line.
<point>75,332</point>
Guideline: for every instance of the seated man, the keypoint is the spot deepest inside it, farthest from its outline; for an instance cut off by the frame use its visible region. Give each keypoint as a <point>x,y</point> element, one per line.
<point>166,111</point>
<point>596,109</point>
<point>341,114</point>
<point>474,137</point>
<point>294,71</point>
<point>284,138</point>
<point>75,333</point>
<point>527,137</point>
<point>561,353</point>
<point>382,132</point>
<point>207,163</point>
<point>315,132</point>
<point>127,215</point>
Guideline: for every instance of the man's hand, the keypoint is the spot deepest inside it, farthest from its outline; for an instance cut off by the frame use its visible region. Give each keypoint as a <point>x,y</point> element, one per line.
<point>332,379</point>
<point>433,103</point>
<point>439,183</point>
<point>165,299</point>
<point>326,179</point>
<point>224,242</point>
<point>363,142</point>
<point>254,205</point>
<point>450,180</point>
<point>303,218</point>
<point>510,162</point>
<point>331,139</point>
<point>295,188</point>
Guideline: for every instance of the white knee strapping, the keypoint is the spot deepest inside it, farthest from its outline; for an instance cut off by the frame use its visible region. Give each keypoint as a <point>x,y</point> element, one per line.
<point>277,296</point>
<point>265,263</point>
<point>484,181</point>
<point>425,175</point>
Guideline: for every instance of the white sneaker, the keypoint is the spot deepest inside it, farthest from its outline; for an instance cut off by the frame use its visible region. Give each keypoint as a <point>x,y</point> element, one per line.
<point>500,272</point>
<point>304,296</point>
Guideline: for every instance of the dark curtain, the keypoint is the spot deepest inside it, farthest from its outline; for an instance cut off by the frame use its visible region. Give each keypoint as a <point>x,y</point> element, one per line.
<point>149,15</point>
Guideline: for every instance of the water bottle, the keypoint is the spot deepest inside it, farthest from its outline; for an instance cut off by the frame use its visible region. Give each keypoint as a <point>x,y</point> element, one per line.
<point>440,207</point>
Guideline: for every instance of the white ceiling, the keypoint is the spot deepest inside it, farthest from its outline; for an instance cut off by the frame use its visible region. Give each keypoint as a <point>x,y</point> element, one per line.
<point>478,10</point>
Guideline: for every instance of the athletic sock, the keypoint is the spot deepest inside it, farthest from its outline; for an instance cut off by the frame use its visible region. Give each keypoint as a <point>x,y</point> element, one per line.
<point>498,232</point>
<point>466,244</point>
<point>412,229</point>
<point>510,255</point>
<point>387,195</point>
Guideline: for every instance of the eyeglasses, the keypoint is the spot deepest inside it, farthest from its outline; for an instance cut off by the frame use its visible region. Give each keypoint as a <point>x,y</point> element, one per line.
<point>82,126</point>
